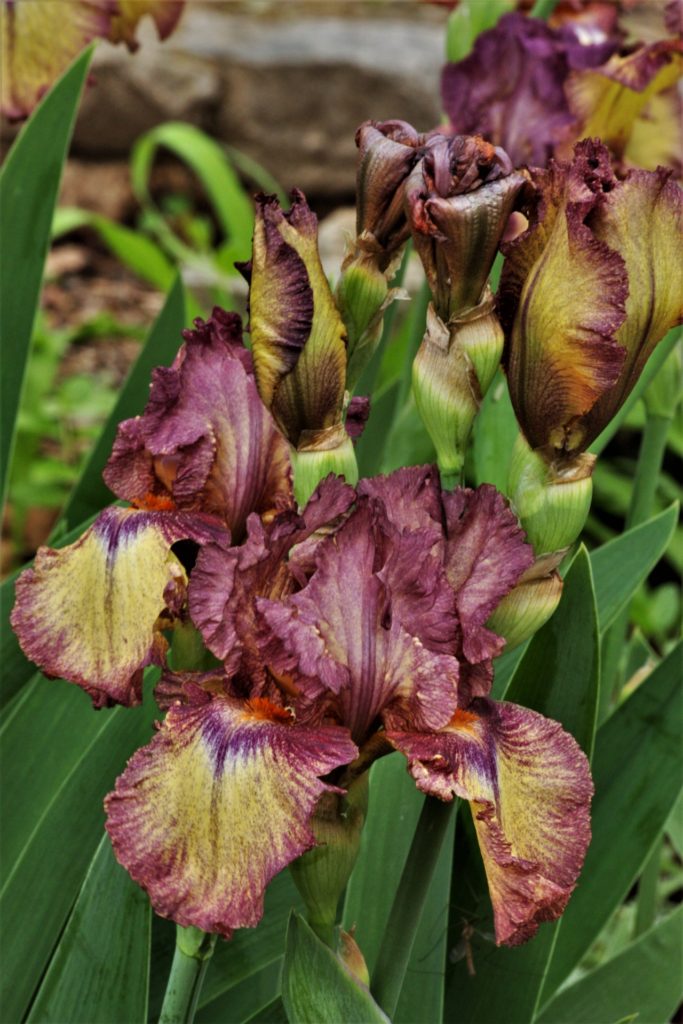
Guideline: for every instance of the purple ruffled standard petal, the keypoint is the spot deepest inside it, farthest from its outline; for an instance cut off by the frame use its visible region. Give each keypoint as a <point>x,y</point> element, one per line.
<point>343,634</point>
<point>89,612</point>
<point>529,786</point>
<point>526,110</point>
<point>205,440</point>
<point>485,556</point>
<point>217,804</point>
<point>226,581</point>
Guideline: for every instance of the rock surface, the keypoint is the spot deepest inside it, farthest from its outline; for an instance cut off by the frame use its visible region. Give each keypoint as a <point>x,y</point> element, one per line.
<point>288,91</point>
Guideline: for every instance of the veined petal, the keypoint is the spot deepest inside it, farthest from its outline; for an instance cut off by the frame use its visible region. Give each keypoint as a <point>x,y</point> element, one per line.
<point>608,100</point>
<point>40,38</point>
<point>88,612</point>
<point>485,556</point>
<point>205,440</point>
<point>165,14</point>
<point>298,336</point>
<point>342,633</point>
<point>563,294</point>
<point>226,582</point>
<point>217,804</point>
<point>529,786</point>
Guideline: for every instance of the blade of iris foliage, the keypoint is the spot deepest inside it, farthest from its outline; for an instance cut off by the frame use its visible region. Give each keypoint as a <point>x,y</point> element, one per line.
<point>559,676</point>
<point>90,493</point>
<point>29,184</point>
<point>132,248</point>
<point>100,973</point>
<point>642,980</point>
<point>205,157</point>
<point>60,836</point>
<point>622,564</point>
<point>637,781</point>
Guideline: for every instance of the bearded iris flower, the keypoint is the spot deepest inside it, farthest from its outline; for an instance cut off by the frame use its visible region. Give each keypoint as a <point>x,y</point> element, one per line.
<point>204,454</point>
<point>342,631</point>
<point>340,645</point>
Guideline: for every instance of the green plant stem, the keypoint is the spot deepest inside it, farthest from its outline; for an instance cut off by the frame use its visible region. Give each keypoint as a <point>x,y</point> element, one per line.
<point>543,8</point>
<point>650,459</point>
<point>404,919</point>
<point>193,951</point>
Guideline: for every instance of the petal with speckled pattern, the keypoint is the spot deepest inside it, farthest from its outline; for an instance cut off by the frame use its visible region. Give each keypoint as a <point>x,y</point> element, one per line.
<point>529,786</point>
<point>88,611</point>
<point>217,804</point>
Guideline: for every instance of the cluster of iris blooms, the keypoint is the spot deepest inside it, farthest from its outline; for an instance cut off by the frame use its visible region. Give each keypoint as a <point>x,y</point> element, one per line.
<point>319,622</point>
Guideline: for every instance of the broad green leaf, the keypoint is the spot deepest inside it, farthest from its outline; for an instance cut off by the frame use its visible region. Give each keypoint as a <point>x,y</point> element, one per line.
<point>621,565</point>
<point>317,988</point>
<point>100,969</point>
<point>558,676</point>
<point>395,806</point>
<point>636,771</point>
<point>29,183</point>
<point>205,157</point>
<point>495,432</point>
<point>52,821</point>
<point>245,999</point>
<point>91,494</point>
<point>644,982</point>
<point>505,667</point>
<point>139,253</point>
<point>16,668</point>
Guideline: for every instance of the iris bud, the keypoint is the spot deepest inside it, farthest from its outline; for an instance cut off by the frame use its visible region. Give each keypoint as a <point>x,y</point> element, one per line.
<point>321,874</point>
<point>529,605</point>
<point>552,499</point>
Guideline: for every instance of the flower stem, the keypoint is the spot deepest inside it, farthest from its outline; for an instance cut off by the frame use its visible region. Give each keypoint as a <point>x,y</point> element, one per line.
<point>193,951</point>
<point>650,458</point>
<point>404,919</point>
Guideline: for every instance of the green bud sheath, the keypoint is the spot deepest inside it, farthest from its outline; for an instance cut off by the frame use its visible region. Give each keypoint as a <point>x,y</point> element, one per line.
<point>320,453</point>
<point>552,499</point>
<point>529,605</point>
<point>322,873</point>
<point>361,296</point>
<point>451,373</point>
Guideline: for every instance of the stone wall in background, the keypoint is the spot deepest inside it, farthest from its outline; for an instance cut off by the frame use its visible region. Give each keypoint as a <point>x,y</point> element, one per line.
<point>288,83</point>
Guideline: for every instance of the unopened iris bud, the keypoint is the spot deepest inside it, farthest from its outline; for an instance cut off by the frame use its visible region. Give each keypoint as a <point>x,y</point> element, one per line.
<point>298,339</point>
<point>388,151</point>
<point>587,292</point>
<point>552,499</point>
<point>523,611</point>
<point>458,200</point>
<point>321,874</point>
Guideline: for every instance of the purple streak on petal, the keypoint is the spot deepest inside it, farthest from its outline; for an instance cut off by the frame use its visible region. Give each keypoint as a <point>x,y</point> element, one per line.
<point>217,804</point>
